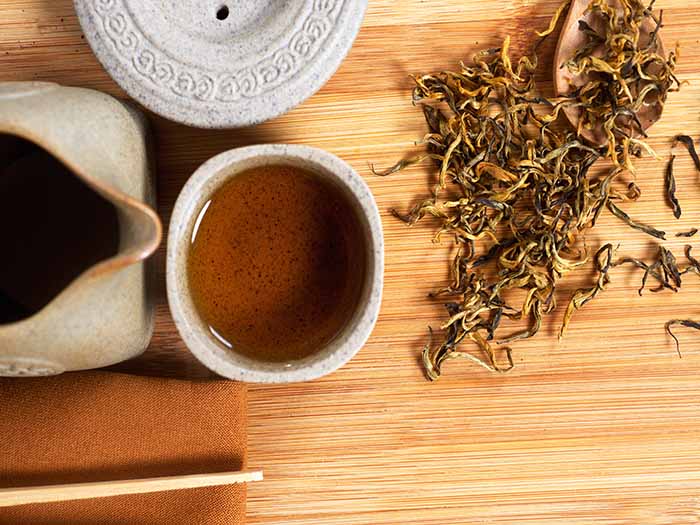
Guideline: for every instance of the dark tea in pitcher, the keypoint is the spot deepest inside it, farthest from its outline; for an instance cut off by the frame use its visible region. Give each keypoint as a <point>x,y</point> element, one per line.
<point>53,227</point>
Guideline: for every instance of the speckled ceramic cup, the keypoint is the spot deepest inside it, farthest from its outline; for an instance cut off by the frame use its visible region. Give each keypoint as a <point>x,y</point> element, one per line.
<point>198,191</point>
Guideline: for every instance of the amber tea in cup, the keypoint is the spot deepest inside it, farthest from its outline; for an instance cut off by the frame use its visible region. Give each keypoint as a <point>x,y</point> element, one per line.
<point>277,263</point>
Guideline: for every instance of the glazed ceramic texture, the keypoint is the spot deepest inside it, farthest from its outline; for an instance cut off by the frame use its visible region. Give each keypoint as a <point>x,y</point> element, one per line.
<point>105,315</point>
<point>221,63</point>
<point>198,190</point>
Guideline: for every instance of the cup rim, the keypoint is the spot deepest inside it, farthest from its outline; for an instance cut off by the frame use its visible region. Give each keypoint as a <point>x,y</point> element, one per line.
<point>200,186</point>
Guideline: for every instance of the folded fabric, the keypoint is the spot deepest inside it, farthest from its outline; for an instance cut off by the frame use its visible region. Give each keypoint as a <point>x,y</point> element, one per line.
<point>99,426</point>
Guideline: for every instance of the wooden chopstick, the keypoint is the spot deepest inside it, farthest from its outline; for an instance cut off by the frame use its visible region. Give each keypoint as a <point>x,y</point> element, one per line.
<point>102,489</point>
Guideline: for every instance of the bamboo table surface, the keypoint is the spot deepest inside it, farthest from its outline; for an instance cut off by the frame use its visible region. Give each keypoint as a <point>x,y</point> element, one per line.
<point>602,427</point>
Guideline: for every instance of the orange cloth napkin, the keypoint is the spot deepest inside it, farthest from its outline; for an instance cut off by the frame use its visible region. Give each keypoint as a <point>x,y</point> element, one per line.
<point>98,426</point>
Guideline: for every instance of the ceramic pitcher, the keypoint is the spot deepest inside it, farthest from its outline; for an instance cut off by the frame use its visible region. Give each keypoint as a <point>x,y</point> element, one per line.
<point>105,315</point>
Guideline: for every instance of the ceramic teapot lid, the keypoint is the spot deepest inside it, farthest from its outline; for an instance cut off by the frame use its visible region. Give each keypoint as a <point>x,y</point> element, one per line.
<point>220,63</point>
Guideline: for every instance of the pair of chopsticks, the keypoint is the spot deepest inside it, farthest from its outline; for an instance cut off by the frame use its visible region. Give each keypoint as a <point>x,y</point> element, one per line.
<point>103,489</point>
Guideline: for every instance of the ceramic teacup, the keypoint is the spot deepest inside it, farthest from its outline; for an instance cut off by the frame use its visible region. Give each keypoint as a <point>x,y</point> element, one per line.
<point>198,191</point>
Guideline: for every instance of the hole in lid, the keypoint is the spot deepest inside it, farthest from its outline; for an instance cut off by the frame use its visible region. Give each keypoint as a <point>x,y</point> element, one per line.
<point>222,13</point>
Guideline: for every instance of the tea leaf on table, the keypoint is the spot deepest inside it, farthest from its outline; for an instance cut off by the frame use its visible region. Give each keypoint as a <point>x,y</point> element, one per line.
<point>617,212</point>
<point>514,188</point>
<point>694,264</point>
<point>688,143</point>
<point>690,233</point>
<point>582,296</point>
<point>664,268</point>
<point>670,182</point>
<point>680,322</point>
<point>402,164</point>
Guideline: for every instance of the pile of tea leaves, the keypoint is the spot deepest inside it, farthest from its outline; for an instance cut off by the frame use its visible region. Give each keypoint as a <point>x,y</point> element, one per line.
<point>514,186</point>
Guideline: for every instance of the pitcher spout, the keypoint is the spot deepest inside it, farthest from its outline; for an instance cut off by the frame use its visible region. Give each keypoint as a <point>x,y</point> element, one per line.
<point>140,234</point>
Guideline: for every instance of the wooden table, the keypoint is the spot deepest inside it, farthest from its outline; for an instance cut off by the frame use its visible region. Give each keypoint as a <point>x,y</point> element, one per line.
<point>601,428</point>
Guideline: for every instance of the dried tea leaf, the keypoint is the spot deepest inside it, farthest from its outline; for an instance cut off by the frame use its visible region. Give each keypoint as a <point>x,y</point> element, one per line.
<point>688,143</point>
<point>664,269</point>
<point>690,233</point>
<point>515,191</point>
<point>680,322</point>
<point>694,264</point>
<point>401,165</point>
<point>555,19</point>
<point>582,296</point>
<point>670,182</point>
<point>617,212</point>
<point>624,73</point>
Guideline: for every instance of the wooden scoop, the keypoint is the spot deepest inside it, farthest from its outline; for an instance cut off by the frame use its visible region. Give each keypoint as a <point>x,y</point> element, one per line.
<point>570,41</point>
